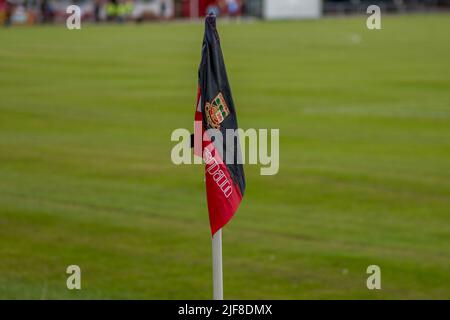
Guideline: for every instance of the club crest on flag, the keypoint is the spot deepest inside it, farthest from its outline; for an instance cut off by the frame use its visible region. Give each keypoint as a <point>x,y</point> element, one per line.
<point>216,111</point>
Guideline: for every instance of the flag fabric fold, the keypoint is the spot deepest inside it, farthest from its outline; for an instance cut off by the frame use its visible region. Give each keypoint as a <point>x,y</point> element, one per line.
<point>215,110</point>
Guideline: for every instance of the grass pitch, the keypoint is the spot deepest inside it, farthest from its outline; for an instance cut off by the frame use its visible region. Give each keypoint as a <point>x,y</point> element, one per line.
<point>86,176</point>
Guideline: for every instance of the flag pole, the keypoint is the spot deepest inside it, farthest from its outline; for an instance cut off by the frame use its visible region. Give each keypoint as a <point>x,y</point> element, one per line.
<point>217,265</point>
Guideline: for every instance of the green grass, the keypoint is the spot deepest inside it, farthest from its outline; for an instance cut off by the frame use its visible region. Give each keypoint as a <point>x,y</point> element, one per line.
<point>86,176</point>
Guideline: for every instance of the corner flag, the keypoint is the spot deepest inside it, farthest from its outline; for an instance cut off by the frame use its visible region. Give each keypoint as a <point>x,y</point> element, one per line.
<point>225,181</point>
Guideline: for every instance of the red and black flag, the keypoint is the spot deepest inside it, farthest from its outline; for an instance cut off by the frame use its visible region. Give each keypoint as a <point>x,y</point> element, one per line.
<point>215,110</point>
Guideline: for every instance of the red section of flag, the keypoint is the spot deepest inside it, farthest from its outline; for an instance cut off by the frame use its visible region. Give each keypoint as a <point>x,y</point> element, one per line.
<point>223,195</point>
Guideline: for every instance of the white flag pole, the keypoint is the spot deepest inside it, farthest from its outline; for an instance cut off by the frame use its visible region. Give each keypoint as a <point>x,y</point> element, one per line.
<point>217,265</point>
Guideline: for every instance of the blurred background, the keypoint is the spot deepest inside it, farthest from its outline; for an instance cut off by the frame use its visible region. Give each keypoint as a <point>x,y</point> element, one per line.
<point>47,11</point>
<point>86,176</point>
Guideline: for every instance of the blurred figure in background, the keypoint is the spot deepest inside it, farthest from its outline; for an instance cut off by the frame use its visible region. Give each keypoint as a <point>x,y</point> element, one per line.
<point>111,10</point>
<point>124,10</point>
<point>8,7</point>
<point>232,7</point>
<point>46,11</point>
<point>3,12</point>
<point>164,8</point>
<point>214,9</point>
<point>119,10</point>
<point>97,9</point>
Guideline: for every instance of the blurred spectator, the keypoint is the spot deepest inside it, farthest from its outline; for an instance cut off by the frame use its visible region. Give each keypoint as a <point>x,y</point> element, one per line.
<point>2,11</point>
<point>8,7</point>
<point>124,10</point>
<point>214,9</point>
<point>111,10</point>
<point>46,11</point>
<point>232,8</point>
<point>119,10</point>
<point>163,9</point>
<point>97,10</point>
